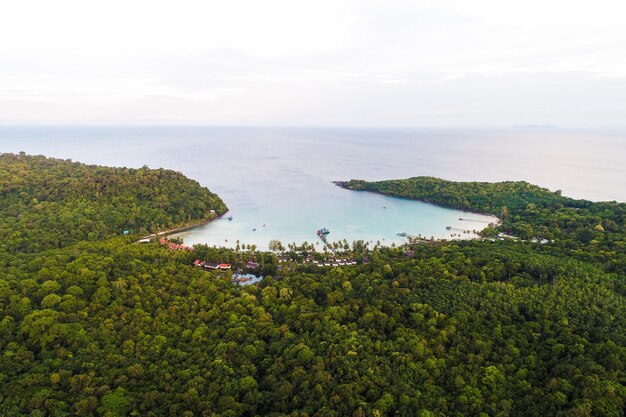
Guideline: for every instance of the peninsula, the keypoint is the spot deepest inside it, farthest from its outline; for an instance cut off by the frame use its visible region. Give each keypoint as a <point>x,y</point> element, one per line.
<point>93,324</point>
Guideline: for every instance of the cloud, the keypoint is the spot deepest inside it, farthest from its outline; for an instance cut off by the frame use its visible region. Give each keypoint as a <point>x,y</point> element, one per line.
<point>327,62</point>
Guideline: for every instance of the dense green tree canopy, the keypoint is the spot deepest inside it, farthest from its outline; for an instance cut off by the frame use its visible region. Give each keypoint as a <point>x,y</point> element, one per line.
<point>50,203</point>
<point>468,328</point>
<point>526,211</point>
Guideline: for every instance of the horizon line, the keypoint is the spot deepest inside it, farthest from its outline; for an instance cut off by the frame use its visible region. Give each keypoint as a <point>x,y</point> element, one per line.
<point>517,127</point>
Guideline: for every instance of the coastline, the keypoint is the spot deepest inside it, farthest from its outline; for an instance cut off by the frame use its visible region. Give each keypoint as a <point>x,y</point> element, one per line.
<point>475,226</point>
<point>186,227</point>
<point>498,222</point>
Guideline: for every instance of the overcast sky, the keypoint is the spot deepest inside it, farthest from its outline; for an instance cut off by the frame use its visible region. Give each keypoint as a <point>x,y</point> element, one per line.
<point>439,63</point>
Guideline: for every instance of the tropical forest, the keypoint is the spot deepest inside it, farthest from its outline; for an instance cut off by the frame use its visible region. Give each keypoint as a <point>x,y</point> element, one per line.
<point>100,315</point>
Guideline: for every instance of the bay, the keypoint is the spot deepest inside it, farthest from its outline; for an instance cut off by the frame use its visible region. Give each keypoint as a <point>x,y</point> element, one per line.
<point>279,180</point>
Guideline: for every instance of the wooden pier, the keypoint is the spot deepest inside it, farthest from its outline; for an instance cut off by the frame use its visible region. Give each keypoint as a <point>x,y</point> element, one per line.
<point>322,233</point>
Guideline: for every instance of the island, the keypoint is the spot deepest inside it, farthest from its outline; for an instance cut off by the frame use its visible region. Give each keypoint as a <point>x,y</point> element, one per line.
<point>95,324</point>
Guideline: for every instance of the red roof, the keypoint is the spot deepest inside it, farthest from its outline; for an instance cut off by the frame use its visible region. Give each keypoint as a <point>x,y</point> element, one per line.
<point>175,246</point>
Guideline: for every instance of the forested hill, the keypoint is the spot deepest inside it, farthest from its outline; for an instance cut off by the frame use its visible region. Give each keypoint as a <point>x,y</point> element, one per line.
<point>462,328</point>
<point>526,211</point>
<point>488,197</point>
<point>50,203</point>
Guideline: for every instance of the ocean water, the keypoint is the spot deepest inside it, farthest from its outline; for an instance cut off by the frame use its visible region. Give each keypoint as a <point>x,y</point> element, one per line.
<point>277,182</point>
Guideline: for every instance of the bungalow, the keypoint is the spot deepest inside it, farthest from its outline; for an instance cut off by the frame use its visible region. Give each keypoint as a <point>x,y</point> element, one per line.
<point>252,265</point>
<point>224,266</point>
<point>210,265</point>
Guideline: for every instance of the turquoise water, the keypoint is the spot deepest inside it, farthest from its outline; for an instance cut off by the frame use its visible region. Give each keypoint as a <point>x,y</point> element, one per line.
<point>349,215</point>
<point>282,177</point>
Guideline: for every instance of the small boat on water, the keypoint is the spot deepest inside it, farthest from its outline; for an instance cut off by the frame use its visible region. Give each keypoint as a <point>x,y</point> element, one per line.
<point>254,230</point>
<point>230,218</point>
<point>401,234</point>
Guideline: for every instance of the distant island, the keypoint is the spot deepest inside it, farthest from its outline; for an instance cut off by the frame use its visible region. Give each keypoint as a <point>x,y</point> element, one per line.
<point>94,323</point>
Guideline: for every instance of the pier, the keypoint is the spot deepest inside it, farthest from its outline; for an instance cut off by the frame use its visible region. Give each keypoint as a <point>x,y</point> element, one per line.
<point>322,233</point>
<point>474,220</point>
<point>415,239</point>
<point>457,228</point>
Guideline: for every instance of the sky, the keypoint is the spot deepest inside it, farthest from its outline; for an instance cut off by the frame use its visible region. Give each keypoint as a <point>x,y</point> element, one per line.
<point>440,63</point>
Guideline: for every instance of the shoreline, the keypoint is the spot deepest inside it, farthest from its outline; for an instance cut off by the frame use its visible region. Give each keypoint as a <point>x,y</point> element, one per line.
<point>344,184</point>
<point>491,220</point>
<point>498,222</point>
<point>183,228</point>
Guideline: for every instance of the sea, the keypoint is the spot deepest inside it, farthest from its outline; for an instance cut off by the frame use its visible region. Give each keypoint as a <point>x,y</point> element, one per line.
<point>278,181</point>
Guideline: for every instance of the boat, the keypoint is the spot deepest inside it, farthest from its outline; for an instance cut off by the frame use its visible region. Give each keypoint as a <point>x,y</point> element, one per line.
<point>448,227</point>
<point>254,230</point>
<point>401,234</point>
<point>230,218</point>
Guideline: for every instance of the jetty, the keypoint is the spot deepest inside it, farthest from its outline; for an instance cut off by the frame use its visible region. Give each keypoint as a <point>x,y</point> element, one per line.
<point>474,220</point>
<point>322,234</point>
<point>415,239</point>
